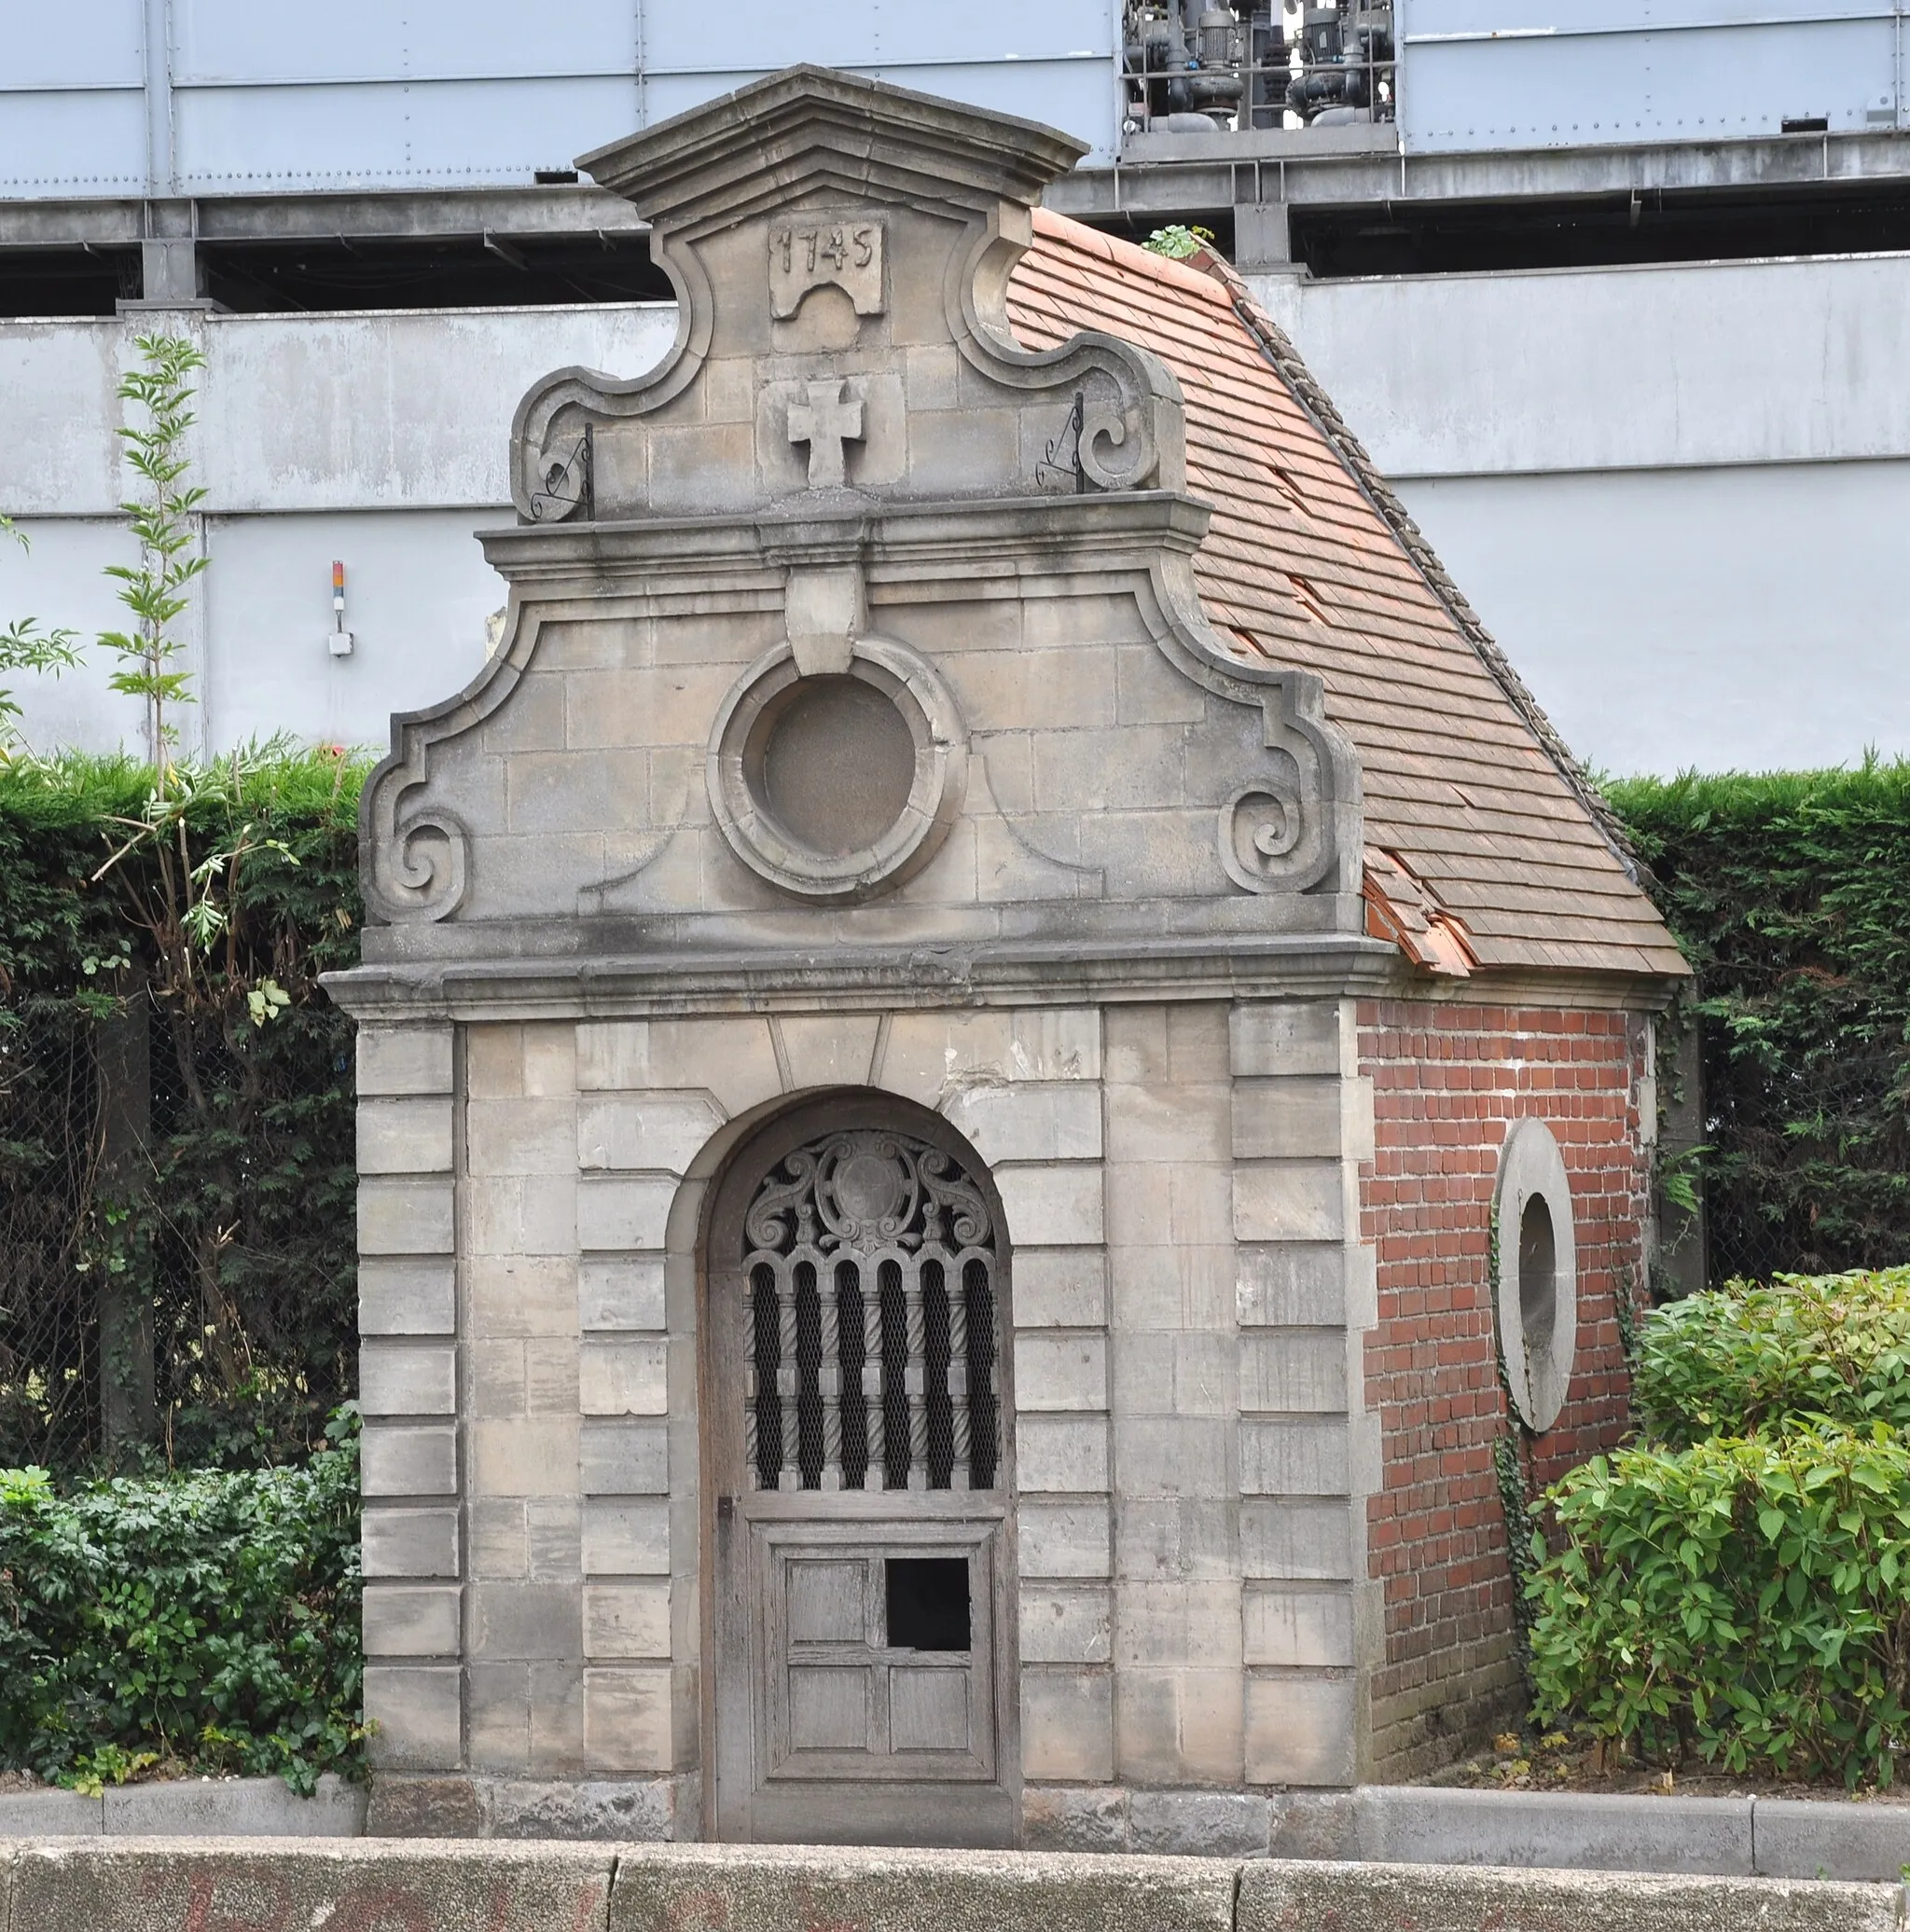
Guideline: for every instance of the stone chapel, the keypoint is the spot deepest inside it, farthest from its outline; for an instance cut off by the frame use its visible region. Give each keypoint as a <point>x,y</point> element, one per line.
<point>994,1050</point>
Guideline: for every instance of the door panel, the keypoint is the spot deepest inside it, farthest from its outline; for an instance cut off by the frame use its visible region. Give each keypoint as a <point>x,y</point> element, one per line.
<point>862,1622</point>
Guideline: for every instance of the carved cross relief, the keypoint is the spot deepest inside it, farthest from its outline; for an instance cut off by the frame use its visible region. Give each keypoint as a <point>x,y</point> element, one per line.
<point>826,421</point>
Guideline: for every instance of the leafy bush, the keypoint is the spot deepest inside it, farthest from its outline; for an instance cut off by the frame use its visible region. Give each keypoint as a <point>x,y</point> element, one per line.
<point>197,1622</point>
<point>232,1225</point>
<point>1743,1599</point>
<point>1790,893</point>
<point>1835,1347</point>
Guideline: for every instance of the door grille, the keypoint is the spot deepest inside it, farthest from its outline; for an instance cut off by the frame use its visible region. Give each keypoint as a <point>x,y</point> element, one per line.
<point>869,1259</point>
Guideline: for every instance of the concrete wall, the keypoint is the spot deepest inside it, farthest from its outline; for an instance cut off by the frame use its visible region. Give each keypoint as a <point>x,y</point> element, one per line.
<point>378,439</point>
<point>1675,494</point>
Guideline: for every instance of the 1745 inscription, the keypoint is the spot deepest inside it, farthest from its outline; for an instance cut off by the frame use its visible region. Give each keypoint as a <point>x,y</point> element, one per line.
<point>805,254</point>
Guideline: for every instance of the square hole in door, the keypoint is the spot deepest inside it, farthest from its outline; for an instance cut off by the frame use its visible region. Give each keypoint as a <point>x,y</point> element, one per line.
<point>927,1603</point>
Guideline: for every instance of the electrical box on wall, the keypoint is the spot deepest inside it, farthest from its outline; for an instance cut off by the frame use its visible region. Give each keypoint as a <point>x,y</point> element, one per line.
<point>338,637</point>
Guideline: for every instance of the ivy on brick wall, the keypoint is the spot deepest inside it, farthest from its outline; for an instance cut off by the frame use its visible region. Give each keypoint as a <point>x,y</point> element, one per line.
<point>176,1170</point>
<point>1790,896</point>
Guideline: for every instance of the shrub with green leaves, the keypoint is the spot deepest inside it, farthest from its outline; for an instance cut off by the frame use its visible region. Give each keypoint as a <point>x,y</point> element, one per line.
<point>1830,1346</point>
<point>1742,1598</point>
<point>197,1622</point>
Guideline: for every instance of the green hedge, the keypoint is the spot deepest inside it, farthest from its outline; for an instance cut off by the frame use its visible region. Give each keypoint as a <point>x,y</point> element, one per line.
<point>197,1622</point>
<point>238,1227</point>
<point>1790,896</point>
<point>1737,1585</point>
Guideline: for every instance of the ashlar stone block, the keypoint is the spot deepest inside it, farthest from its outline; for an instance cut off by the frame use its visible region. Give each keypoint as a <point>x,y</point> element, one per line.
<point>1299,1628</point>
<point>623,1211</point>
<point>408,1542</point>
<point>1067,1725</point>
<point>407,1461</point>
<point>1274,1037</point>
<point>1060,1372</point>
<point>1299,1730</point>
<point>525,1620</point>
<point>417,1712</point>
<point>404,1134</point>
<point>521,1136</point>
<point>626,1293</point>
<point>1065,1538</point>
<point>626,1536</point>
<point>523,1294</point>
<point>401,1216</point>
<point>1296,1537</point>
<point>1029,1120</point>
<point>397,1296</point>
<point>1294,1458</point>
<point>525,1456</point>
<point>1061,1454</point>
<point>627,1620</point>
<point>658,1131</point>
<point>1293,1370</point>
<point>1292,1284</point>
<point>624,1377</point>
<point>1061,1625</point>
<point>1289,1201</point>
<point>734,1059</point>
<point>404,1059</point>
<point>407,1378</point>
<point>1060,1288</point>
<point>404,1620</point>
<point>624,1459</point>
<point>1180,1725</point>
<point>1292,1119</point>
<point>627,1717</point>
<point>1053,1206</point>
<point>822,1053</point>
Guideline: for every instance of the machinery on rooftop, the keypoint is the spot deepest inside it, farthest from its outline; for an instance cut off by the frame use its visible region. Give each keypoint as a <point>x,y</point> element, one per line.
<point>1193,66</point>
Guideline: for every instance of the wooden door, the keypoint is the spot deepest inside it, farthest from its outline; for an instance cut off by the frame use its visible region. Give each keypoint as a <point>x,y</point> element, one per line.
<point>861,1637</point>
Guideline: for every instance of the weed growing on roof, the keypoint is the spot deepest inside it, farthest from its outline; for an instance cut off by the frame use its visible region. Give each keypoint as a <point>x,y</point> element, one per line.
<point>1178,243</point>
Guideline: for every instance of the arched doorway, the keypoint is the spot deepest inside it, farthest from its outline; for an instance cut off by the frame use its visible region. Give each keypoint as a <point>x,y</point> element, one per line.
<point>860,1638</point>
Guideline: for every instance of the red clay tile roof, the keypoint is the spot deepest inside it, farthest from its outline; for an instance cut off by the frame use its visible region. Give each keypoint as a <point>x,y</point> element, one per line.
<point>1311,561</point>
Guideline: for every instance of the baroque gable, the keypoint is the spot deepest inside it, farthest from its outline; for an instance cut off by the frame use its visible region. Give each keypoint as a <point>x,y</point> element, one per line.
<point>854,622</point>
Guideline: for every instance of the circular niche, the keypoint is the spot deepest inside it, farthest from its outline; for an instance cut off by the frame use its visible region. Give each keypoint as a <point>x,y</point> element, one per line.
<point>842,784</point>
<point>1538,1273</point>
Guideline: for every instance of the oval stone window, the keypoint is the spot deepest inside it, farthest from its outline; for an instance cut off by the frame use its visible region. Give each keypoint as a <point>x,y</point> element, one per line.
<point>836,763</point>
<point>1538,1273</point>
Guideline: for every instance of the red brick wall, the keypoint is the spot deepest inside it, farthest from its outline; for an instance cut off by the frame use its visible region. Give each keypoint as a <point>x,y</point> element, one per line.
<point>1447,1082</point>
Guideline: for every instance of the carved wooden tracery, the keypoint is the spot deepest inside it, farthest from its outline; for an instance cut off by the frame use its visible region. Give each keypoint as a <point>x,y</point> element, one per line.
<point>870,1265</point>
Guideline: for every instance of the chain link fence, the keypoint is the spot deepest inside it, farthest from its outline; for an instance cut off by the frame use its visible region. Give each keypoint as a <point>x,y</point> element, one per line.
<point>176,1222</point>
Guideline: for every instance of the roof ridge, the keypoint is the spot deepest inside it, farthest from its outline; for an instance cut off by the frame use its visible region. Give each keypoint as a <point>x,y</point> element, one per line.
<point>1291,367</point>
<point>1125,254</point>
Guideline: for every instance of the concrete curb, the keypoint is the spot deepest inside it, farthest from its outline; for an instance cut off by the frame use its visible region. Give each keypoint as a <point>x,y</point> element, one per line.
<point>1742,1837</point>
<point>1406,1825</point>
<point>189,1808</point>
<point>1391,1824</point>
<point>1280,1897</point>
<point>435,1885</point>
